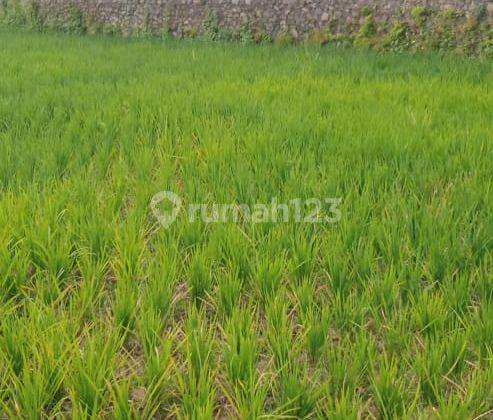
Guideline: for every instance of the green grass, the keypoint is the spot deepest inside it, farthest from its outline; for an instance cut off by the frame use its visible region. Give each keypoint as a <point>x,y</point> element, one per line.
<point>386,314</point>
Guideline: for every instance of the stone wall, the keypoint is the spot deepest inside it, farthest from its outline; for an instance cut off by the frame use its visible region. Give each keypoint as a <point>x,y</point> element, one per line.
<point>296,17</point>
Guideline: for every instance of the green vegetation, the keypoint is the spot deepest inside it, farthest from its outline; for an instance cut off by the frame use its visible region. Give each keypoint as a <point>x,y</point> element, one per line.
<point>448,30</point>
<point>387,314</point>
<point>420,29</point>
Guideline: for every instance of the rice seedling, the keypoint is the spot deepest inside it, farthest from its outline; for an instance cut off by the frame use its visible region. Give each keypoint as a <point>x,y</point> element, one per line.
<point>385,312</point>
<point>197,384</point>
<point>92,366</point>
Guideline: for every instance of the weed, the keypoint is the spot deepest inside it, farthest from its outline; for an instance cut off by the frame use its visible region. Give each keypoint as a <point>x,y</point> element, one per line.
<point>284,38</point>
<point>211,26</point>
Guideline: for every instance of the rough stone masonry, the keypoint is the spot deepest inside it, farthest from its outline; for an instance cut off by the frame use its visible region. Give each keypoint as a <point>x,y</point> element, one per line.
<point>296,17</point>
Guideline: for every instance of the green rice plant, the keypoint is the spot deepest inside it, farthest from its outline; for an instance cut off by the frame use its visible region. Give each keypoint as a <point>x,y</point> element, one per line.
<point>38,387</point>
<point>297,397</point>
<point>125,303</point>
<point>196,385</point>
<point>267,278</point>
<point>317,323</point>
<point>200,278</point>
<point>159,290</point>
<point>14,271</point>
<point>305,297</point>
<point>36,373</point>
<point>336,268</point>
<point>121,401</point>
<point>92,366</point>
<point>129,247</point>
<point>157,350</point>
<point>107,313</point>
<point>89,297</point>
<point>55,261</point>
<point>249,398</point>
<point>245,390</point>
<point>348,363</point>
<point>13,340</point>
<point>242,353</point>
<point>452,407</point>
<point>399,334</point>
<point>346,406</point>
<point>389,388</point>
<point>305,256</point>
<point>31,393</point>
<point>235,249</point>
<point>157,362</point>
<point>229,293</point>
<point>482,331</point>
<point>95,235</point>
<point>429,313</point>
<point>348,311</point>
<point>385,292</point>
<point>437,362</point>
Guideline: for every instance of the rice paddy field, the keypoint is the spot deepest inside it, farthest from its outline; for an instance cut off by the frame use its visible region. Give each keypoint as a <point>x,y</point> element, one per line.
<point>105,313</point>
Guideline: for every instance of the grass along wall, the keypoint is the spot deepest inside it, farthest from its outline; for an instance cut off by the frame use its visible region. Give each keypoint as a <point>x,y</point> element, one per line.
<point>464,26</point>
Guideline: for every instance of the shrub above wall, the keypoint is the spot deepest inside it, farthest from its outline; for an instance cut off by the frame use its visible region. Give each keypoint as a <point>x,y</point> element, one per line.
<point>462,26</point>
